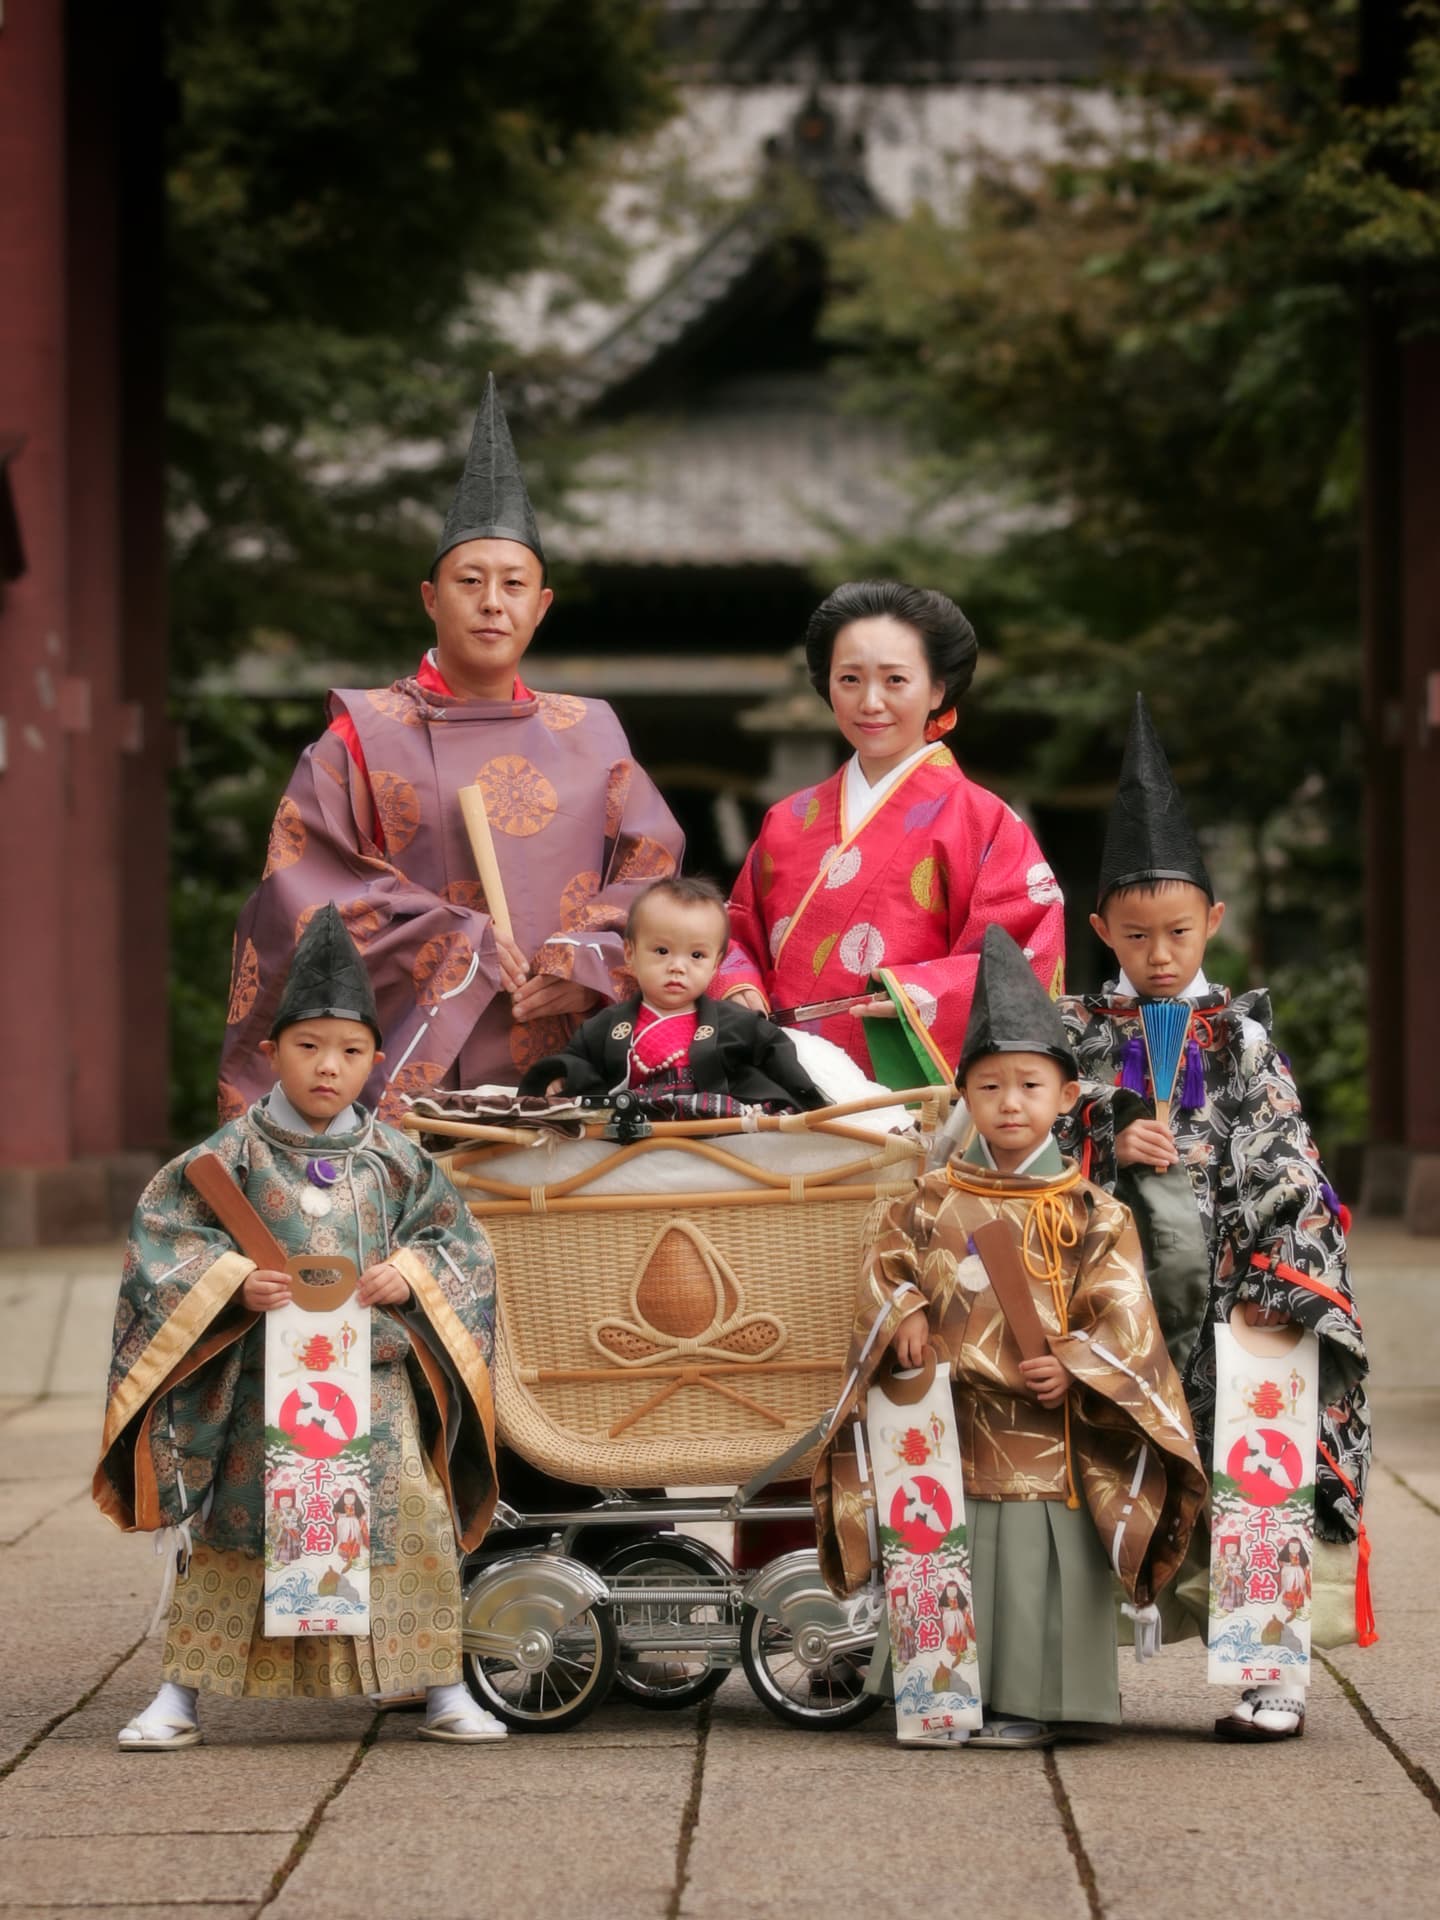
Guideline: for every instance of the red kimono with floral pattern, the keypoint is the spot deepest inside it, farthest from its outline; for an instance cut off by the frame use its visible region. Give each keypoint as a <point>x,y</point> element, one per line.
<point>823,908</point>
<point>577,828</point>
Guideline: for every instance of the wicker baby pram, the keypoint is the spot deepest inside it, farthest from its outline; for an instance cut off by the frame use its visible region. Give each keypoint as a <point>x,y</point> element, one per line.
<point>674,1306</point>
<point>675,1310</point>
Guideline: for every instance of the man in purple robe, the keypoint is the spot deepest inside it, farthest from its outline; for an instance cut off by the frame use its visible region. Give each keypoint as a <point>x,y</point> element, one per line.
<point>371,820</point>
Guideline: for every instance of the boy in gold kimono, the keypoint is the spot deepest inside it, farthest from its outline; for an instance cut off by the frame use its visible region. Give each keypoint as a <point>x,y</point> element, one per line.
<point>1080,1465</point>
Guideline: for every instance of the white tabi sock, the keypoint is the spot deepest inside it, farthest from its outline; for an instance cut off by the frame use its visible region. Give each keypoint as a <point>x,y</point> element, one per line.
<point>1273,1691</point>
<point>172,1702</point>
<point>454,1698</point>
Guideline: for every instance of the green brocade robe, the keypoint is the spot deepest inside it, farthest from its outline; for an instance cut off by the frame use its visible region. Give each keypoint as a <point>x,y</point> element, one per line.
<point>184,1435</point>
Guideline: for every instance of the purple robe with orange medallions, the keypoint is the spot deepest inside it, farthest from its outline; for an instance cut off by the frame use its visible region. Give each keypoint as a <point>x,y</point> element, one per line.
<point>577,827</point>
<point>824,905</point>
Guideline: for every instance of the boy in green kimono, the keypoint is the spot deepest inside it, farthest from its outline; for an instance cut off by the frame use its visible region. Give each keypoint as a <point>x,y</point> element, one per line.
<point>183,1442</point>
<point>1080,1463</point>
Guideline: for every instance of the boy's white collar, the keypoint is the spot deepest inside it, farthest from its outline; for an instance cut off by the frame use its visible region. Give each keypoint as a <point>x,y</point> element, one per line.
<point>289,1120</point>
<point>1127,989</point>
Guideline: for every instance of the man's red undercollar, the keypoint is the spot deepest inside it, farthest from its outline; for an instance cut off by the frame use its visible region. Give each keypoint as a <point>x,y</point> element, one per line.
<point>430,677</point>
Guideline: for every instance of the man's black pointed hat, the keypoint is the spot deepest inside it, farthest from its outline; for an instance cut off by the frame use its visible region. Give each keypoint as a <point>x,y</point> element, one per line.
<point>491,502</point>
<point>1011,1011</point>
<point>327,979</point>
<point>1149,836</point>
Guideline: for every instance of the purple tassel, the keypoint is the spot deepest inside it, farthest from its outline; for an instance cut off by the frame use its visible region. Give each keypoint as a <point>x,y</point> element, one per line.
<point>1132,1065</point>
<point>1336,1205</point>
<point>1192,1091</point>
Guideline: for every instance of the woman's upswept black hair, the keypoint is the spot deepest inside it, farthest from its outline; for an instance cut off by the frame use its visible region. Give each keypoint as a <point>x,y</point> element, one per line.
<point>942,629</point>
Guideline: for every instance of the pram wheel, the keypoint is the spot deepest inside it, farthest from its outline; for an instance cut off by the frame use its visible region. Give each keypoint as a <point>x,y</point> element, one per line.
<point>819,1693</point>
<point>540,1649</point>
<point>668,1675</point>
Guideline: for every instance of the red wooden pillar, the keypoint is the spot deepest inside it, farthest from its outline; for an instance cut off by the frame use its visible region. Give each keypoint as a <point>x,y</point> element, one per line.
<point>146,747</point>
<point>89,959</point>
<point>1419,364</point>
<point>1401,609</point>
<point>83,1053</point>
<point>1383,607</point>
<point>34,617</point>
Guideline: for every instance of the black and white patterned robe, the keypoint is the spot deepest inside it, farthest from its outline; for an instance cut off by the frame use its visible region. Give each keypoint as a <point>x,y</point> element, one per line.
<point>1272,1224</point>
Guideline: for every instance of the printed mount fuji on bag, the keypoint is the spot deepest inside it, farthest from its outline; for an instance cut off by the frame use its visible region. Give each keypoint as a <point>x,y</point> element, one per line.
<point>317,1464</point>
<point>317,1426</point>
<point>924,1549</point>
<point>1262,1537</point>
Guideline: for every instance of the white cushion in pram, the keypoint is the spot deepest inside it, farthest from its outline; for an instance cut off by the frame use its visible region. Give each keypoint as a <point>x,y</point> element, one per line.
<point>840,1080</point>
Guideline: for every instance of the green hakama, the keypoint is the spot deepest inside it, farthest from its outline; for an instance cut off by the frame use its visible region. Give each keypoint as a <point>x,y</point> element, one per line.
<point>1044,1612</point>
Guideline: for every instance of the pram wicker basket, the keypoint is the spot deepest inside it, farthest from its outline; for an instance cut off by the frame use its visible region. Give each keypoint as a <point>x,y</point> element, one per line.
<point>677,1337</point>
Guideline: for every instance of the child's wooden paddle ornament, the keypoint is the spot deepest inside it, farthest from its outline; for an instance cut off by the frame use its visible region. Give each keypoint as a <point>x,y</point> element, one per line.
<point>1010,1282</point>
<point>212,1180</point>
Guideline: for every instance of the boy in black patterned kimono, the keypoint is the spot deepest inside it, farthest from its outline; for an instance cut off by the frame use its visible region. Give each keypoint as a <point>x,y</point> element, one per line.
<point>1231,1199</point>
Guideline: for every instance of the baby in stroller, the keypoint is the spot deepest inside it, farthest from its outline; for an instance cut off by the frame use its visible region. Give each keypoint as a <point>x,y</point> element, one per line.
<point>671,1038</point>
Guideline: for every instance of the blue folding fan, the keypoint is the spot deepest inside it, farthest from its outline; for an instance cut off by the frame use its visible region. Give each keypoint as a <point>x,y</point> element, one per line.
<point>1166,1026</point>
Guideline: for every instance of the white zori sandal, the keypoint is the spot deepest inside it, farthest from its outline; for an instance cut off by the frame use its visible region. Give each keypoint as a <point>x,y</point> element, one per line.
<point>168,1723</point>
<point>451,1714</point>
<point>1264,1713</point>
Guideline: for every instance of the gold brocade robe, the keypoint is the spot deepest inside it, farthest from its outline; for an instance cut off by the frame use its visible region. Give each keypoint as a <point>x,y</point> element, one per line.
<point>1130,1452</point>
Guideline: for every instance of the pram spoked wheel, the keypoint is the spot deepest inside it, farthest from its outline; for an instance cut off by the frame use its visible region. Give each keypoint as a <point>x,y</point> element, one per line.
<point>669,1674</point>
<point>828,1694</point>
<point>540,1648</point>
<point>804,1652</point>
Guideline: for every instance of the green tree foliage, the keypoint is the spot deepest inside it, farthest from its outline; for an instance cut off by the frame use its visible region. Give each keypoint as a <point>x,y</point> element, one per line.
<point>349,182</point>
<point>1144,357</point>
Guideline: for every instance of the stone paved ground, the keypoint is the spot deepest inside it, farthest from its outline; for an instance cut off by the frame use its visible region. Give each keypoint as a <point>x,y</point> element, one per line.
<point>302,1812</point>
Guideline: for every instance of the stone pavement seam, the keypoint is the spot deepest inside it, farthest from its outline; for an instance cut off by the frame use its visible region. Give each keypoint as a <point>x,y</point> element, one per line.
<point>690,1812</point>
<point>1414,1492</point>
<point>312,1826</point>
<point>59,1720</point>
<point>57,1333</point>
<point>1084,1866</point>
<point>25,1533</point>
<point>1414,1772</point>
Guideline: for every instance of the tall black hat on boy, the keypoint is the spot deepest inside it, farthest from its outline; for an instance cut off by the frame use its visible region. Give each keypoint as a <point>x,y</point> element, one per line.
<point>1149,835</point>
<point>327,979</point>
<point>1011,1011</point>
<point>491,501</point>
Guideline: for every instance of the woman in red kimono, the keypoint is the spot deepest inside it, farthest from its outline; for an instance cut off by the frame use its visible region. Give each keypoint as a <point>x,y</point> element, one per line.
<point>886,875</point>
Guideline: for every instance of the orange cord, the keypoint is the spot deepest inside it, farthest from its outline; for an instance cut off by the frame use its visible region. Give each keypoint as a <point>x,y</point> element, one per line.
<point>1049,1230</point>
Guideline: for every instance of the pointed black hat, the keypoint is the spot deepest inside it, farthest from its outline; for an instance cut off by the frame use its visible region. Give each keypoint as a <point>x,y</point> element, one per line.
<point>1149,835</point>
<point>491,502</point>
<point>1011,1011</point>
<point>327,978</point>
